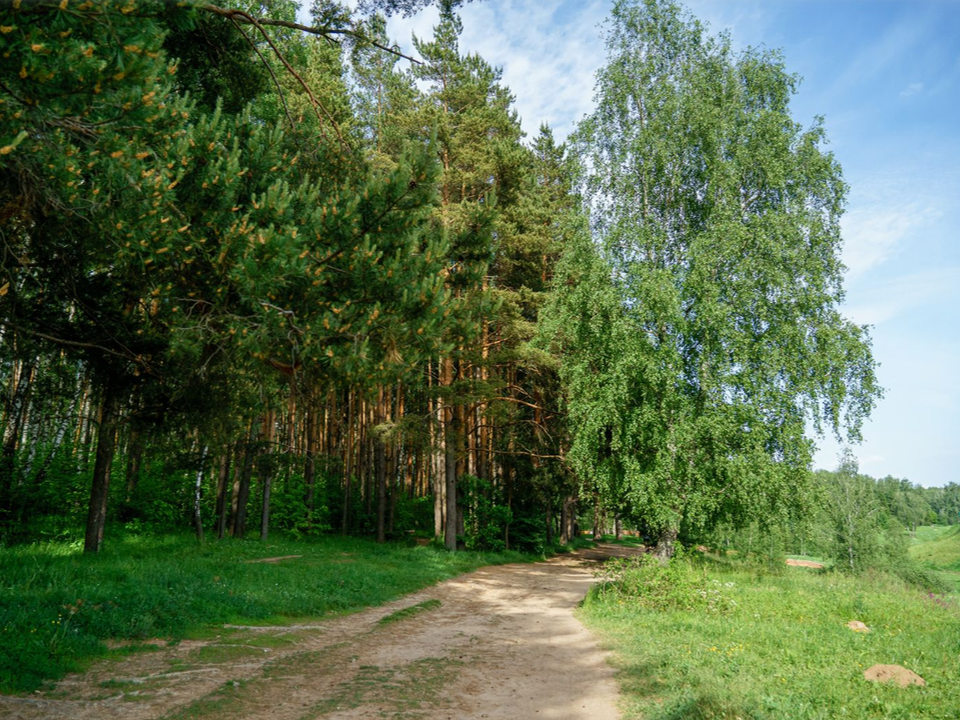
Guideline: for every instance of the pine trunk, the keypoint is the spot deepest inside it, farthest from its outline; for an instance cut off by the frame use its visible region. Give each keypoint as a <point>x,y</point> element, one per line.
<point>223,478</point>
<point>106,445</point>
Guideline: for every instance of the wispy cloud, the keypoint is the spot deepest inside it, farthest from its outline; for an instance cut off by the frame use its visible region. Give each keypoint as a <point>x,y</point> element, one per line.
<point>914,88</point>
<point>873,231</point>
<point>887,300</point>
<point>897,44</point>
<point>548,52</point>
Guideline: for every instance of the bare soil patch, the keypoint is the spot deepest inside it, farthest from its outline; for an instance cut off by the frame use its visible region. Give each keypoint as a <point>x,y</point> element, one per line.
<point>804,563</point>
<point>501,642</point>
<point>274,559</point>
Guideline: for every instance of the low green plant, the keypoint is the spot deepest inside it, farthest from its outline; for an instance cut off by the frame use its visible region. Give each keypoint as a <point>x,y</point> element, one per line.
<point>409,612</point>
<point>676,585</point>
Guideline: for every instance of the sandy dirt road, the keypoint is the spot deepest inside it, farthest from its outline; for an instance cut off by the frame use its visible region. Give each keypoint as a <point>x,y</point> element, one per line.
<point>501,642</point>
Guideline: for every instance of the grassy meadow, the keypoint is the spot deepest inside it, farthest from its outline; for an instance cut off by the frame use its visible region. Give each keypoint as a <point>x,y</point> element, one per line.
<point>937,548</point>
<point>719,639</point>
<point>58,606</point>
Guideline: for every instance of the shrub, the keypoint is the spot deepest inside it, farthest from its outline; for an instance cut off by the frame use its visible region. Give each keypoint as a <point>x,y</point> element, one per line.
<point>676,585</point>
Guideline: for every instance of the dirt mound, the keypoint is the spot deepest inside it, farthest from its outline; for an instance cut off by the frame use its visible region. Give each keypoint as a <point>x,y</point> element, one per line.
<point>897,674</point>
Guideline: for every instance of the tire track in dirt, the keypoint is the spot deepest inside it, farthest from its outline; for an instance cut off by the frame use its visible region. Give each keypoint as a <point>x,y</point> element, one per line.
<point>503,643</point>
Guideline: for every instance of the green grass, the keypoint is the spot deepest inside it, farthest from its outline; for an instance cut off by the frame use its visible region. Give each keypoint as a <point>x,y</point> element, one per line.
<point>782,651</point>
<point>57,605</point>
<point>937,548</point>
<point>928,533</point>
<point>408,612</point>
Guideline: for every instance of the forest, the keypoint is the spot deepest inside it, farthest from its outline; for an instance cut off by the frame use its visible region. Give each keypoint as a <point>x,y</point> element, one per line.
<point>263,276</point>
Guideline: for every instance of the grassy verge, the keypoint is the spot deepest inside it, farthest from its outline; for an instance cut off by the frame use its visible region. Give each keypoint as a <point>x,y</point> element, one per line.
<point>776,646</point>
<point>57,606</point>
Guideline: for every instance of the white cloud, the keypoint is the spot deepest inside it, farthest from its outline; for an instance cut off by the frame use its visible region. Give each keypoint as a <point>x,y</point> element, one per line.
<point>887,300</point>
<point>912,89</point>
<point>548,52</point>
<point>873,230</point>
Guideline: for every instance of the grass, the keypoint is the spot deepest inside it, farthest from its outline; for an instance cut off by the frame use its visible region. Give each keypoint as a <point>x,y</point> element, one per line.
<point>58,606</point>
<point>928,533</point>
<point>408,612</point>
<point>780,648</point>
<point>937,547</point>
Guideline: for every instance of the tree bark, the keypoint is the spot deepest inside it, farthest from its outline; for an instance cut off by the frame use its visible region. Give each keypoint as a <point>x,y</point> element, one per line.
<point>348,466</point>
<point>568,519</point>
<point>197,517</point>
<point>267,480</point>
<point>221,510</point>
<point>106,445</point>
<point>666,545</point>
<point>309,462</point>
<point>243,487</point>
<point>450,463</point>
<point>15,412</point>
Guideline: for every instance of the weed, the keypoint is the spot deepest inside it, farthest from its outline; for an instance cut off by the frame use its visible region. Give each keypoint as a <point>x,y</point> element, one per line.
<point>408,612</point>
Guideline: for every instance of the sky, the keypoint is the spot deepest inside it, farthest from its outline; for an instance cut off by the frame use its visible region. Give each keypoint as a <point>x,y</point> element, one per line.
<point>885,76</point>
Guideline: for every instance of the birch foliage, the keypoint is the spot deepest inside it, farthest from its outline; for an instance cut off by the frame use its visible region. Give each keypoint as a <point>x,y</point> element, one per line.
<point>712,337</point>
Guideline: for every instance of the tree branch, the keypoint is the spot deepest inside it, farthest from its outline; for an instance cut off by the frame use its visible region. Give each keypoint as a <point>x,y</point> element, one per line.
<point>319,32</point>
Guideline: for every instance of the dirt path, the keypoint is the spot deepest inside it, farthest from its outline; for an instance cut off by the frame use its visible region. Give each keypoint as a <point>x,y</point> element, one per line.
<point>501,642</point>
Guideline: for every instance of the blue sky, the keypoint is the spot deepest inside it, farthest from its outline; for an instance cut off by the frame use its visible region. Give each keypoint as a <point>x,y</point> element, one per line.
<point>885,74</point>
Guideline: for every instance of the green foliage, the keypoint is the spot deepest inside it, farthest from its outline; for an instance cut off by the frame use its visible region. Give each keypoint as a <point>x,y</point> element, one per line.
<point>486,515</point>
<point>782,651</point>
<point>413,516</point>
<point>700,330</point>
<point>673,586</point>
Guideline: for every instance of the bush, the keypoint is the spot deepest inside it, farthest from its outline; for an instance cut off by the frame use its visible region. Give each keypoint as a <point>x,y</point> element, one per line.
<point>676,585</point>
<point>486,516</point>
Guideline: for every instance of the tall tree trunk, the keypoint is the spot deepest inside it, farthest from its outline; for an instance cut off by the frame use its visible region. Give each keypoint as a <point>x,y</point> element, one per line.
<point>13,427</point>
<point>267,480</point>
<point>348,466</point>
<point>568,519</point>
<point>450,463</point>
<point>666,544</point>
<point>243,487</point>
<point>549,519</point>
<point>597,520</point>
<point>380,468</point>
<point>223,478</point>
<point>198,486</point>
<point>106,444</point>
<point>267,467</point>
<point>309,461</point>
<point>433,468</point>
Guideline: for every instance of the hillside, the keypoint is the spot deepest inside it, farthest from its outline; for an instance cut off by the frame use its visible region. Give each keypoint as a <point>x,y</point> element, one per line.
<point>938,548</point>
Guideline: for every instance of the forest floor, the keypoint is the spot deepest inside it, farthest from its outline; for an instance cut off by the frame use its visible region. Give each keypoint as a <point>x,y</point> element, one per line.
<point>500,642</point>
